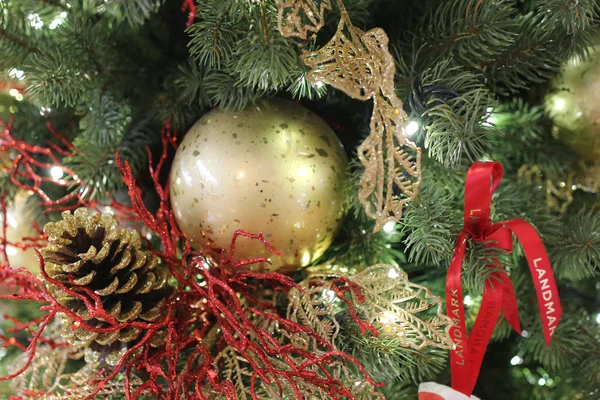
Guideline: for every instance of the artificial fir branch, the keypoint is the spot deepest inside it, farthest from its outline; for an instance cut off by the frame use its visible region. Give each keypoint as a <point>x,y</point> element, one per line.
<point>525,137</point>
<point>469,31</point>
<point>429,226</point>
<point>386,359</point>
<point>544,39</point>
<point>213,36</point>
<point>575,250</point>
<point>106,118</point>
<point>451,128</point>
<point>480,50</point>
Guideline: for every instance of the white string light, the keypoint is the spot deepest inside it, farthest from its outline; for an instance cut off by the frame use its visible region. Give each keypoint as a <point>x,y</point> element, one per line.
<point>411,128</point>
<point>56,173</point>
<point>56,22</point>
<point>541,381</point>
<point>16,73</point>
<point>393,274</point>
<point>516,360</point>
<point>16,94</point>
<point>35,21</point>
<point>389,227</point>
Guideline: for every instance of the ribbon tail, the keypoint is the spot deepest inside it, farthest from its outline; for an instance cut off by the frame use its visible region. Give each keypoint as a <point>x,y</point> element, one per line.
<point>484,326</point>
<point>541,271</point>
<point>509,304</point>
<point>459,365</point>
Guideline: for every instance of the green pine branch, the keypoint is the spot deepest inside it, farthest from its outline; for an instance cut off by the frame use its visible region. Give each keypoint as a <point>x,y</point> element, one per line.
<point>134,12</point>
<point>575,249</point>
<point>546,38</point>
<point>385,359</point>
<point>456,128</point>
<point>58,80</point>
<point>469,32</point>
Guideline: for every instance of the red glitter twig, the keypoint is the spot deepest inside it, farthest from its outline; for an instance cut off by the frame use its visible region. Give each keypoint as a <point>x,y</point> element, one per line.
<point>190,6</point>
<point>217,299</point>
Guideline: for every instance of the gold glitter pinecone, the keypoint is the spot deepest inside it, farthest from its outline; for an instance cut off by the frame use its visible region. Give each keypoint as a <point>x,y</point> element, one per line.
<point>89,248</point>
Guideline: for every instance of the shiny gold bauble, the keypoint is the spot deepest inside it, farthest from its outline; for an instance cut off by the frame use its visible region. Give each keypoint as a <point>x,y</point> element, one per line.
<point>588,177</point>
<point>273,168</point>
<point>574,105</point>
<point>19,225</point>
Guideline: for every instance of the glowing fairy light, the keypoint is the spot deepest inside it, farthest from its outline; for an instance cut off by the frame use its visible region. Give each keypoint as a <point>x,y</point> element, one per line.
<point>319,84</point>
<point>16,73</point>
<point>516,360</point>
<point>541,381</point>
<point>389,227</point>
<point>35,21</point>
<point>388,318</point>
<point>56,22</point>
<point>330,294</point>
<point>45,110</point>
<point>412,127</point>
<point>302,171</point>
<point>393,274</point>
<point>559,104</point>
<point>16,94</point>
<point>468,300</point>
<point>56,173</point>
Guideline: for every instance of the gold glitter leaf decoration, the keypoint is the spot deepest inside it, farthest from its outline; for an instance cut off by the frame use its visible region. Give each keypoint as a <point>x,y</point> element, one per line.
<point>298,18</point>
<point>235,370</point>
<point>312,307</point>
<point>359,64</point>
<point>44,372</point>
<point>558,197</point>
<point>398,307</point>
<point>46,378</point>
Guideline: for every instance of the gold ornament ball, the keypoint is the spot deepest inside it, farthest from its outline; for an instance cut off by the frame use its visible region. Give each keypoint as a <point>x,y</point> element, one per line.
<point>273,168</point>
<point>19,225</point>
<point>574,105</point>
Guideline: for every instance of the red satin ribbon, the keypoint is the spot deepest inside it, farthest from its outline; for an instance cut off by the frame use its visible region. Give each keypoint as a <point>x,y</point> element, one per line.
<point>465,360</point>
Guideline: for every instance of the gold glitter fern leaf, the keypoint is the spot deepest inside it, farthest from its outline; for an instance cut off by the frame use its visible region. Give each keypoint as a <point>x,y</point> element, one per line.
<point>46,376</point>
<point>401,308</point>
<point>299,18</point>
<point>311,308</point>
<point>359,64</point>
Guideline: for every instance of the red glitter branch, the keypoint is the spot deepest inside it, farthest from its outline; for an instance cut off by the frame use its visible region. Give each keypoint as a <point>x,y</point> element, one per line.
<point>30,159</point>
<point>214,306</point>
<point>190,6</point>
<point>343,285</point>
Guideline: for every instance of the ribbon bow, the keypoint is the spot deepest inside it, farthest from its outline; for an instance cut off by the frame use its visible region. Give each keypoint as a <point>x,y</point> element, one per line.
<point>482,180</point>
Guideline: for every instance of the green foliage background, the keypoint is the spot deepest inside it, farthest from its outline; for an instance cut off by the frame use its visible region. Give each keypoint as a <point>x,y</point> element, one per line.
<point>108,73</point>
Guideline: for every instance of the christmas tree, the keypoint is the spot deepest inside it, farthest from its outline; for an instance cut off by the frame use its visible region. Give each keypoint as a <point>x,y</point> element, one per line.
<point>297,199</point>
